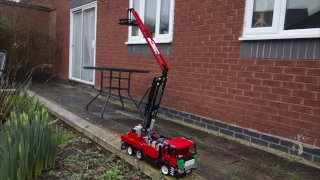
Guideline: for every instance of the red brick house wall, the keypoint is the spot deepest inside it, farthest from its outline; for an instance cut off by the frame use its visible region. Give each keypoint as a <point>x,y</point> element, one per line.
<point>63,35</point>
<point>208,80</point>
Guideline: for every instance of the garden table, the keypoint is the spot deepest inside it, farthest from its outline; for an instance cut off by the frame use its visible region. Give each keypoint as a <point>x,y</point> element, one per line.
<point>110,87</point>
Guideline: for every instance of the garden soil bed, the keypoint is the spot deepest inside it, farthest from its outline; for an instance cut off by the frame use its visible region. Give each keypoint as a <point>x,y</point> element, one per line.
<point>79,159</point>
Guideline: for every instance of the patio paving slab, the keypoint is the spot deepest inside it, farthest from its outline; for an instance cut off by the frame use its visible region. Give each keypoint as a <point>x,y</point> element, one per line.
<point>219,158</point>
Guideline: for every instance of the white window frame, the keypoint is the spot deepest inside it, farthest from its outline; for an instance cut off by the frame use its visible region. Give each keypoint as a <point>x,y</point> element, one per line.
<point>159,38</point>
<point>277,30</point>
<point>72,11</point>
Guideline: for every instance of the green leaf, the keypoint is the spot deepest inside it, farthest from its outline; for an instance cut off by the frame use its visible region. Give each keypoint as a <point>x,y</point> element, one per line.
<point>30,144</point>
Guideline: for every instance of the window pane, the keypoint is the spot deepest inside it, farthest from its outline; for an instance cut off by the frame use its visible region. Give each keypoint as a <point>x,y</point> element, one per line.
<point>87,43</point>
<point>302,14</point>
<point>150,15</point>
<point>262,13</point>
<point>76,52</point>
<point>164,17</point>
<point>136,6</point>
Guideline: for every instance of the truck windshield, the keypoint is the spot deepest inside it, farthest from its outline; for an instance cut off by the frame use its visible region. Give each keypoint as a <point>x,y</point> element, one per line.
<point>186,151</point>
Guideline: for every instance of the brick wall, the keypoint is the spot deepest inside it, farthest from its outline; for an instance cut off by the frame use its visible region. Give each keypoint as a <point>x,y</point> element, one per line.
<point>33,29</point>
<point>209,84</point>
<point>25,18</point>
<point>42,3</point>
<point>34,3</point>
<point>63,35</point>
<point>273,96</point>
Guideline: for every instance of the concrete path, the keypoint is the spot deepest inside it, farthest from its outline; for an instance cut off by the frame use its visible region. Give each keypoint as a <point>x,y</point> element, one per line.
<point>219,157</point>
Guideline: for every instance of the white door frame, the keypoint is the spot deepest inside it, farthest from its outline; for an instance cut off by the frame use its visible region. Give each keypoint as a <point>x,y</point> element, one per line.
<point>82,8</point>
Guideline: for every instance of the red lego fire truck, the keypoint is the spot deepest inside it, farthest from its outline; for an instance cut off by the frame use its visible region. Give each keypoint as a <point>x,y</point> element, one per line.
<point>176,156</point>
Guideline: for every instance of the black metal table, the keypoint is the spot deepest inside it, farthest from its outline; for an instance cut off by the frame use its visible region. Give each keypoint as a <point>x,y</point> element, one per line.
<point>110,87</point>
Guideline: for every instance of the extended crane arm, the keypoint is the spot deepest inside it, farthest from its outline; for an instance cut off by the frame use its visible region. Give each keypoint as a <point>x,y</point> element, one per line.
<point>147,36</point>
<point>158,84</point>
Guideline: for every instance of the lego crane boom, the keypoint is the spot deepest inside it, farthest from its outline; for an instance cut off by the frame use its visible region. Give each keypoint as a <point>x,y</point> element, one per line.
<point>158,84</point>
<point>175,157</point>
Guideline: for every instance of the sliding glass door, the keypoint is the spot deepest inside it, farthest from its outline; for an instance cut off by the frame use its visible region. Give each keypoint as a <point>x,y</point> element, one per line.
<point>83,42</point>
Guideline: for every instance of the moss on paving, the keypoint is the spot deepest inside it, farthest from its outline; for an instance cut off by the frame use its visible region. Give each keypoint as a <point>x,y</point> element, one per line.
<point>224,171</point>
<point>290,174</point>
<point>227,173</point>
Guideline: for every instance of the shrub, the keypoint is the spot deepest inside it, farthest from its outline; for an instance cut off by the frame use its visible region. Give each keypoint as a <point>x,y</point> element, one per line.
<point>22,102</point>
<point>28,143</point>
<point>13,93</point>
<point>113,175</point>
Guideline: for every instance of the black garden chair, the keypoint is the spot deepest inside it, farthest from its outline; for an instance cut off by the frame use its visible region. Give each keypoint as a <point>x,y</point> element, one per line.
<point>3,54</point>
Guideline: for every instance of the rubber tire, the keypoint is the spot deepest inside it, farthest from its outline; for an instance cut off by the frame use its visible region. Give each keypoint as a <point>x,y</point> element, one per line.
<point>139,154</point>
<point>176,175</point>
<point>130,150</point>
<point>165,170</point>
<point>189,172</point>
<point>122,145</point>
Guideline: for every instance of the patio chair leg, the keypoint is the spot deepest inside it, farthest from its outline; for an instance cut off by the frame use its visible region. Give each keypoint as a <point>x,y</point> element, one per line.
<point>121,100</point>
<point>135,103</point>
<point>144,95</point>
<point>104,106</point>
<point>130,95</point>
<point>101,84</point>
<point>120,90</point>
<point>92,100</point>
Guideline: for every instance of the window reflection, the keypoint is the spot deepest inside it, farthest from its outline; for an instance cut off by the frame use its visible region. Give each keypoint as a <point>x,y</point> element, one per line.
<point>164,17</point>
<point>302,14</point>
<point>262,13</point>
<point>136,6</point>
<point>150,16</point>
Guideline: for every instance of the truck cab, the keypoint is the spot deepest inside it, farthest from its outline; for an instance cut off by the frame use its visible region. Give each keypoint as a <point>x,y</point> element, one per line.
<point>180,155</point>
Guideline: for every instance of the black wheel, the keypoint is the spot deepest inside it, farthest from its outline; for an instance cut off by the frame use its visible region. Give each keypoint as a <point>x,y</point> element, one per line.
<point>123,145</point>
<point>189,172</point>
<point>165,170</point>
<point>130,150</point>
<point>180,175</point>
<point>139,154</point>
